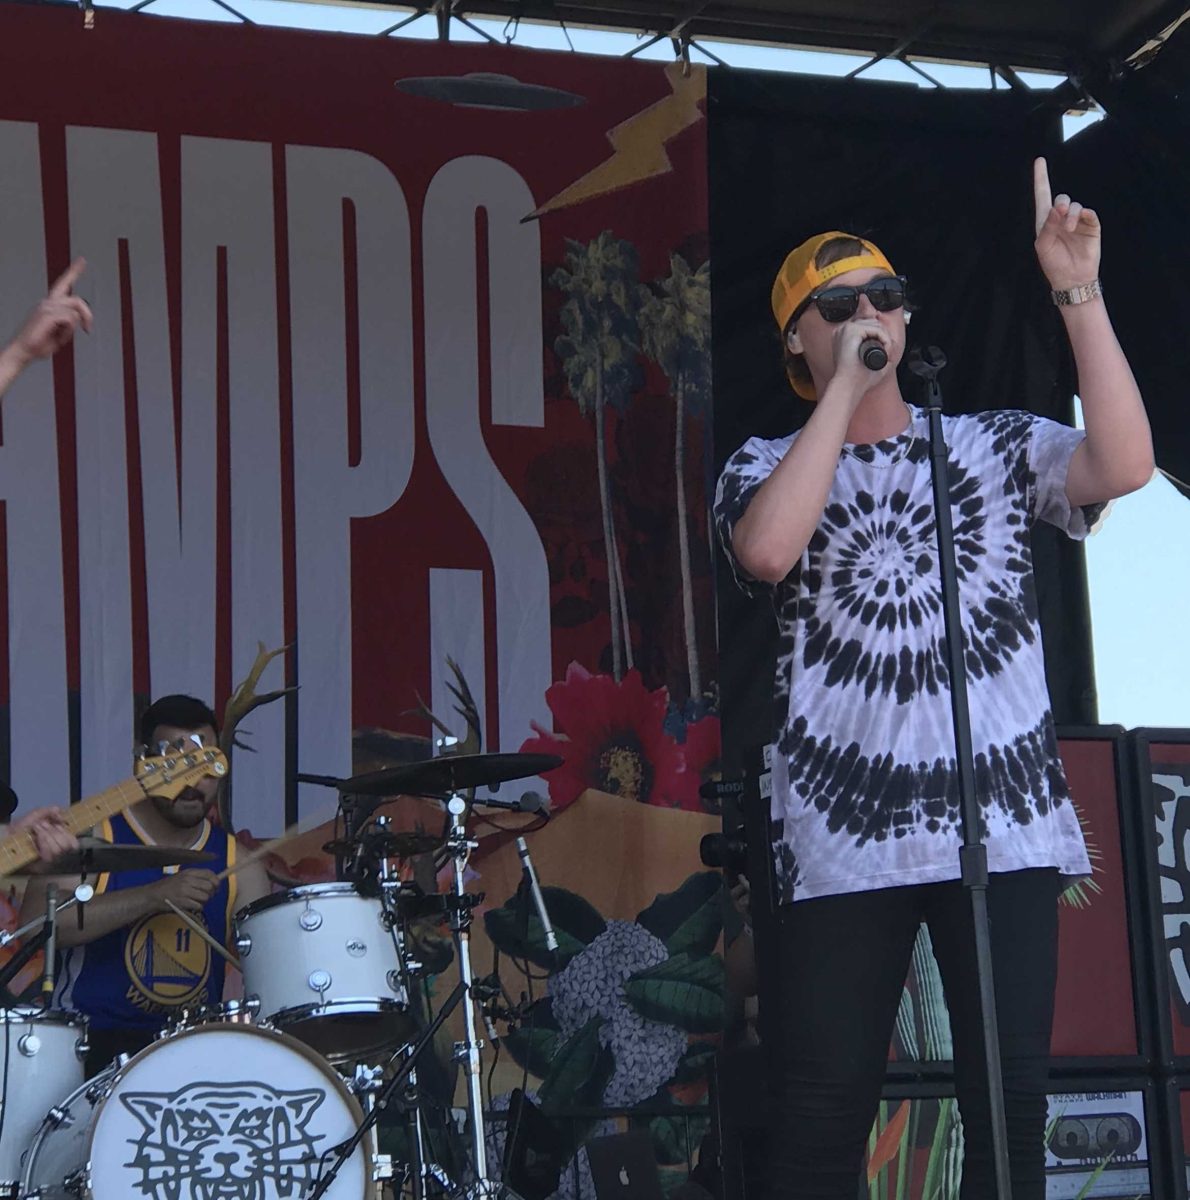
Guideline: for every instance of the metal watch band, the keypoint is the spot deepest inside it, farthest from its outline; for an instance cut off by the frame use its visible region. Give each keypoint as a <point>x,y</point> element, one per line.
<point>1077,295</point>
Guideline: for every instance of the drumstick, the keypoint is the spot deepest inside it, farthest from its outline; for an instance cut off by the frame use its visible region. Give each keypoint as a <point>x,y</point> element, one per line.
<point>266,848</point>
<point>206,937</point>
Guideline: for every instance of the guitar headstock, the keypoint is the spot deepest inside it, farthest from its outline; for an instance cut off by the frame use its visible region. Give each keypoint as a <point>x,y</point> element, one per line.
<point>178,767</point>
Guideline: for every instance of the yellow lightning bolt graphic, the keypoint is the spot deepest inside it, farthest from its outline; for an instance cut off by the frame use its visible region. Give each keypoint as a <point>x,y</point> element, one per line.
<point>639,142</point>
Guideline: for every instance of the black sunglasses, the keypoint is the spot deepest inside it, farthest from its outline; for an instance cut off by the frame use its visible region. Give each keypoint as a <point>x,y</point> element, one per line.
<point>841,303</point>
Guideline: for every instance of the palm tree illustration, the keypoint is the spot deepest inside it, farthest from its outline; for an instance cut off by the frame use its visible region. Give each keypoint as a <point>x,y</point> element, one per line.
<point>599,357</point>
<point>675,322</point>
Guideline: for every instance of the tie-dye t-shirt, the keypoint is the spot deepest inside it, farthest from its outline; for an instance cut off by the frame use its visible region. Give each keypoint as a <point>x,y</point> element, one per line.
<point>865,790</point>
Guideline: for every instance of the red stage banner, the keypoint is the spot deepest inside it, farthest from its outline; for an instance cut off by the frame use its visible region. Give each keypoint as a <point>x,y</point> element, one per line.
<point>374,374</point>
<point>401,360</point>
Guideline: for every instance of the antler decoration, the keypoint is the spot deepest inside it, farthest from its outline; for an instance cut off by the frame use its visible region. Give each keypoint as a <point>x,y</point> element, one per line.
<point>469,711</point>
<point>466,708</point>
<point>239,704</point>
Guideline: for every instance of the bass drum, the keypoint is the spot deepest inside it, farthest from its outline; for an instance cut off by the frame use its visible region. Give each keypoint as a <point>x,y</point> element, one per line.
<point>213,1112</point>
<point>41,1059</point>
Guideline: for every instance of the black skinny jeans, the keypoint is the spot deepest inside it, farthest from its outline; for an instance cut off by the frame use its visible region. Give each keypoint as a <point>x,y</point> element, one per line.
<point>843,961</point>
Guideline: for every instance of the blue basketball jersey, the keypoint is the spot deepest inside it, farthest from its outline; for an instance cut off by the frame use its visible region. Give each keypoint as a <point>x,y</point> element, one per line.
<point>137,977</point>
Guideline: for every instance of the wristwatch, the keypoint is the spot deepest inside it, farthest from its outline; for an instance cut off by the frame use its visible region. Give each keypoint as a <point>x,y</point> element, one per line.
<point>1077,295</point>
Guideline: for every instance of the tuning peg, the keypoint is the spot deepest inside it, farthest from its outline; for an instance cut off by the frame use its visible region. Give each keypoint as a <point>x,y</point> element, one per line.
<point>140,752</point>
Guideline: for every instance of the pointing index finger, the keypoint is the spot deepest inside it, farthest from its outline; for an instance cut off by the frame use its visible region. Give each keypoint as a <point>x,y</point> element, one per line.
<point>1042,196</point>
<point>68,278</point>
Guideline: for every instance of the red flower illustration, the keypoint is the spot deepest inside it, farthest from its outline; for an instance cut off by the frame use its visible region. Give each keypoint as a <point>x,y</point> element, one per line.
<point>702,750</point>
<point>612,738</point>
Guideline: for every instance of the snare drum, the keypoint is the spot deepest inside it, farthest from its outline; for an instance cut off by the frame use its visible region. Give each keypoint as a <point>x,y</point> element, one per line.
<point>212,1111</point>
<point>41,1060</point>
<point>326,969</point>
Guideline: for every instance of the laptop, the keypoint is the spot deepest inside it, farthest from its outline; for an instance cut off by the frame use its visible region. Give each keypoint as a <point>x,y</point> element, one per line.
<point>623,1166</point>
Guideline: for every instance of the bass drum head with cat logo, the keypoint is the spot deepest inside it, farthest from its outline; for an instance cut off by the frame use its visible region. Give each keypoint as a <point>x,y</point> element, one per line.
<point>215,1112</point>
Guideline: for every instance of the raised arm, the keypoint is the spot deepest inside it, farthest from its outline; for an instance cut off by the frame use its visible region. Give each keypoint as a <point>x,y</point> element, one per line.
<point>770,537</point>
<point>48,328</point>
<point>1117,455</point>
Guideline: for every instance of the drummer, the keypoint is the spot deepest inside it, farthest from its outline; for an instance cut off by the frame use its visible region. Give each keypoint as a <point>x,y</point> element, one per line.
<point>135,963</point>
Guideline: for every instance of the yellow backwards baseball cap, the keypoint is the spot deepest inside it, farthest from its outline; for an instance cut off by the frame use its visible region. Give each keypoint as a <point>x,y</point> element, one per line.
<point>799,278</point>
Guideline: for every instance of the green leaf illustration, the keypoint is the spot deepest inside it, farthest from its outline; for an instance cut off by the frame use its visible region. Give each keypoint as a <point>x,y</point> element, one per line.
<point>576,923</point>
<point>676,1137</point>
<point>690,920</point>
<point>682,991</point>
<point>534,1049</point>
<point>695,1063</point>
<point>579,1072</point>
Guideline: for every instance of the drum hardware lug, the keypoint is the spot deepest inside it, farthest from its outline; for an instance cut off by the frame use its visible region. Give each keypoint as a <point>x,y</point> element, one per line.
<point>102,1086</point>
<point>310,919</point>
<point>356,947</point>
<point>319,981</point>
<point>82,1048</point>
<point>394,978</point>
<point>29,1044</point>
<point>59,1118</point>
<point>243,945</point>
<point>77,1181</point>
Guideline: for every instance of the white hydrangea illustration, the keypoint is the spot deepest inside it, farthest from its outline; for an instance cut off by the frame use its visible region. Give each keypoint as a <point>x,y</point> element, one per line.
<point>646,1053</point>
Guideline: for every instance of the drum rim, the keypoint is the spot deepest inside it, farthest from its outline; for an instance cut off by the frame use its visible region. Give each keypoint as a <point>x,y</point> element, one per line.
<point>115,1073</point>
<point>303,892</point>
<point>108,1072</point>
<point>312,1016</point>
<point>32,1015</point>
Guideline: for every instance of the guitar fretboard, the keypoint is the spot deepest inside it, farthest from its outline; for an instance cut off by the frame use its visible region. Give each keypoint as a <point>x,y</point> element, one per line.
<point>19,849</point>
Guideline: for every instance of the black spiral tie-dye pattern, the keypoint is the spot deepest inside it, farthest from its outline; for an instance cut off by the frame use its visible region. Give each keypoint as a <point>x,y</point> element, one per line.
<point>865,793</point>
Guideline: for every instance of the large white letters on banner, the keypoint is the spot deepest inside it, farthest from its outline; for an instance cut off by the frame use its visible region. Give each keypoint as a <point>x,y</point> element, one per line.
<point>227,205</point>
<point>134,436</point>
<point>452,409</point>
<point>37,716</point>
<point>328,490</point>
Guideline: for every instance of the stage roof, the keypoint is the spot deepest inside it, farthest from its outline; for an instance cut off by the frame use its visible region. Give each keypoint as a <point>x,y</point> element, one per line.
<point>1062,35</point>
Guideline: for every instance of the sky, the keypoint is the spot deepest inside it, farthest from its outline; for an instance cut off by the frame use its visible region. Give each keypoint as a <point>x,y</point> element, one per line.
<point>1138,563</point>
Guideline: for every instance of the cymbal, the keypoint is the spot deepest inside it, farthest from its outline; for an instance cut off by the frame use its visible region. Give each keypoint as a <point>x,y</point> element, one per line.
<point>95,855</point>
<point>389,844</point>
<point>445,775</point>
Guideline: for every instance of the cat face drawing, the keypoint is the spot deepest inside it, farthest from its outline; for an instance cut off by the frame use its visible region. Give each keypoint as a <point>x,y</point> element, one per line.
<point>225,1141</point>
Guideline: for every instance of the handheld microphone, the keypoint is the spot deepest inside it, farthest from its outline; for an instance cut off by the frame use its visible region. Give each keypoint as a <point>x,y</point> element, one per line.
<point>551,938</point>
<point>51,943</point>
<point>872,354</point>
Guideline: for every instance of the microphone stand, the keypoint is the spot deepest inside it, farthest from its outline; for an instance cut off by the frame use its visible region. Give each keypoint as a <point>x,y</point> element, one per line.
<point>973,858</point>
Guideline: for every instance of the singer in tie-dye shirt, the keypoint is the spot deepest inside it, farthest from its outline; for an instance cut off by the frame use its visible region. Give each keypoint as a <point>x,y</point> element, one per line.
<point>836,523</point>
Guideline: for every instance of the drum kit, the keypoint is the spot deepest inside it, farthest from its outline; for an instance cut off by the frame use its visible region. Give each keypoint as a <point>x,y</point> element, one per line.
<point>277,1096</point>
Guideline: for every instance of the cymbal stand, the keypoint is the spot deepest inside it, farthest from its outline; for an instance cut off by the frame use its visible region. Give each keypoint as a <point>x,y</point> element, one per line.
<point>467,1051</point>
<point>45,931</point>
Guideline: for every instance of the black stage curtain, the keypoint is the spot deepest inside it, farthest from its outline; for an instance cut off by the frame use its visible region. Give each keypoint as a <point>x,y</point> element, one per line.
<point>942,181</point>
<point>1134,167</point>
